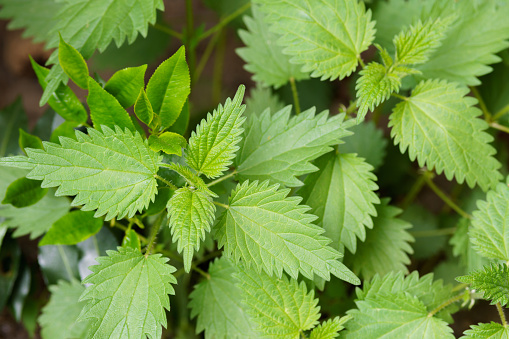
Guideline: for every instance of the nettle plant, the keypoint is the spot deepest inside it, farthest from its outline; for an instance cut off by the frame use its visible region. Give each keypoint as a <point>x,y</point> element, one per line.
<point>270,211</point>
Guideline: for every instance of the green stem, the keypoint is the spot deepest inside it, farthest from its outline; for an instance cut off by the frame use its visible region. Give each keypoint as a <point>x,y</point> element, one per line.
<point>220,204</point>
<point>414,191</point>
<point>190,46</point>
<point>445,304</point>
<point>223,178</point>
<point>444,197</point>
<point>459,287</point>
<point>361,62</point>
<point>225,21</point>
<point>153,233</point>
<point>206,56</point>
<point>295,96</point>
<point>168,31</point>
<point>501,314</point>
<point>499,127</point>
<point>396,95</point>
<point>501,113</point>
<point>170,185</point>
<point>202,272</point>
<point>433,233</point>
<point>487,114</point>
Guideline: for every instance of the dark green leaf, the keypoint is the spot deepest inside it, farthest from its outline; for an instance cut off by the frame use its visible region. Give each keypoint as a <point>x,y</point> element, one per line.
<point>72,228</point>
<point>125,84</point>
<point>29,140</point>
<point>24,192</point>
<point>73,64</point>
<point>12,118</point>
<point>66,129</point>
<point>58,262</point>
<point>159,204</point>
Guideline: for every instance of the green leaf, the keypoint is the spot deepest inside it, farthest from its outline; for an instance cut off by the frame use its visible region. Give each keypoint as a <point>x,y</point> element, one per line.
<point>492,330</point>
<point>463,248</point>
<point>159,204</point>
<point>212,147</point>
<point>326,36</point>
<point>281,308</point>
<point>329,329</point>
<point>491,224</point>
<point>169,87</point>
<point>191,178</point>
<point>367,142</point>
<point>270,231</point>
<point>143,108</point>
<point>492,281</point>
<point>439,126</point>
<point>24,192</point>
<point>66,129</point>
<point>190,213</point>
<point>168,142</point>
<point>59,262</point>
<point>73,64</point>
<point>29,140</point>
<point>375,85</point>
<point>216,302</point>
<point>263,57</point>
<point>72,228</point>
<point>148,280</point>
<point>105,110</point>
<point>112,171</point>
<point>131,240</point>
<point>260,98</point>
<point>12,118</point>
<point>386,247</point>
<point>58,318</point>
<point>125,84</point>
<point>415,44</point>
<point>182,122</point>
<point>342,195</point>
<point>280,148</point>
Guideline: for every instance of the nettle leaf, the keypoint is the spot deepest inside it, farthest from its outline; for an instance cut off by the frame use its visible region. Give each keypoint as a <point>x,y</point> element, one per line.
<point>24,192</point>
<point>217,303</point>
<point>143,109</point>
<point>212,147</point>
<point>112,171</point>
<point>374,86</point>
<point>126,84</point>
<point>329,329</point>
<point>191,178</point>
<point>169,87</point>
<point>471,43</point>
<point>58,318</point>
<point>280,148</point>
<point>281,308</point>
<point>73,64</point>
<point>272,232</point>
<point>326,36</point>
<point>72,228</point>
<point>263,57</point>
<point>139,313</point>
<point>260,98</point>
<point>492,330</point>
<point>342,195</point>
<point>490,224</point>
<point>168,142</point>
<point>439,126</point>
<point>492,281</point>
<point>463,248</point>
<point>190,213</point>
<point>386,247</point>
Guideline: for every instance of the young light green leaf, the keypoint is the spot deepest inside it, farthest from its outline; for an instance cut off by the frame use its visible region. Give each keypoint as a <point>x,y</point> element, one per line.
<point>73,64</point>
<point>168,142</point>
<point>386,247</point>
<point>112,171</point>
<point>24,192</point>
<point>374,86</point>
<point>216,302</point>
<point>72,228</point>
<point>132,240</point>
<point>326,36</point>
<point>143,108</point>
<point>148,280</point>
<point>105,110</point>
<point>212,147</point>
<point>281,308</point>
<point>125,84</point>
<point>169,87</point>
<point>190,213</point>
<point>329,329</point>
<point>263,57</point>
<point>491,224</point>
<point>415,44</point>
<point>342,195</point>
<point>280,148</point>
<point>492,281</point>
<point>439,126</point>
<point>272,232</point>
<point>191,178</point>
<point>182,122</point>
<point>58,318</point>
<point>492,330</point>
<point>28,140</point>
<point>12,118</point>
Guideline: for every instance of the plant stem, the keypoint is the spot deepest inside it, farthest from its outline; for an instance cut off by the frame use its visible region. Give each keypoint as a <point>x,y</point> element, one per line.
<point>220,204</point>
<point>433,233</point>
<point>482,105</point>
<point>153,233</point>
<point>295,95</point>
<point>459,287</point>
<point>212,183</point>
<point>499,127</point>
<point>445,304</point>
<point>444,197</point>
<point>168,31</point>
<point>206,56</point>
<point>170,185</point>
<point>361,62</point>
<point>501,314</point>
<point>414,191</point>
<point>396,95</point>
<point>190,46</point>
<point>225,21</point>
<point>501,113</point>
<point>202,272</point>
